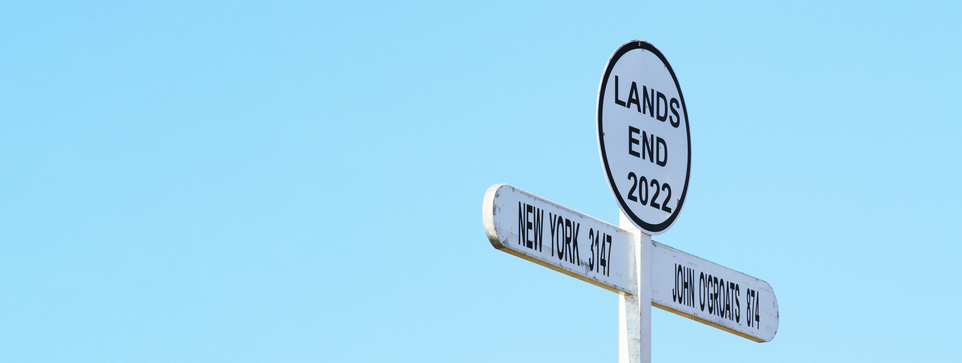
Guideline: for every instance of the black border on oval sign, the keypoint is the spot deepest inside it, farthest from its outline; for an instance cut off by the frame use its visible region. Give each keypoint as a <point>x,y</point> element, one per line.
<point>622,50</point>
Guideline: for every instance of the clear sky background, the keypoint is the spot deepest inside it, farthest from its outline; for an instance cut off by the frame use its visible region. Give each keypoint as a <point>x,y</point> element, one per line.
<point>257,181</point>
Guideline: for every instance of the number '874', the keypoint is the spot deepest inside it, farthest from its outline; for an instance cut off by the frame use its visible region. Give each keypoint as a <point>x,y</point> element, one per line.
<point>648,192</point>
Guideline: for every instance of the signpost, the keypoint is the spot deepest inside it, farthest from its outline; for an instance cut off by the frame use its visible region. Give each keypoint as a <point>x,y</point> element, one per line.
<point>578,245</point>
<point>645,148</point>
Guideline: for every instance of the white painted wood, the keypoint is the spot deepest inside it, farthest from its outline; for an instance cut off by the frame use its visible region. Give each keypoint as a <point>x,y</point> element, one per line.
<point>713,294</point>
<point>551,235</point>
<point>634,311</point>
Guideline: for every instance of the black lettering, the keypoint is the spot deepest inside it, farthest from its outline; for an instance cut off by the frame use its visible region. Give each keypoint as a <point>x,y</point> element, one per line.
<point>711,296</point>
<point>643,186</point>
<point>523,232</point>
<point>662,101</point>
<point>654,204</point>
<point>648,102</point>
<point>702,290</point>
<point>664,205</point>
<point>607,259</point>
<point>732,298</point>
<point>633,96</point>
<point>676,292</point>
<point>551,225</point>
<point>752,308</point>
<point>574,243</point>
<point>529,225</point>
<point>602,263</point>
<point>676,120</point>
<point>592,241</point>
<point>738,305</point>
<point>632,141</point>
<point>618,101</point>
<point>538,228</point>
<point>714,285</point>
<point>757,320</point>
<point>662,158</point>
<point>684,290</point>
<point>559,238</point>
<point>727,307</point>
<point>648,146</point>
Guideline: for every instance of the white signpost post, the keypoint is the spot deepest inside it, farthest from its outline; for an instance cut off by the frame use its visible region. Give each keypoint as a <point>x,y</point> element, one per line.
<point>645,147</point>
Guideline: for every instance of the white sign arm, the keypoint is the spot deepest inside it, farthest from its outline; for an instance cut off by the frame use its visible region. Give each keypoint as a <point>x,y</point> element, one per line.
<point>713,294</point>
<point>553,236</point>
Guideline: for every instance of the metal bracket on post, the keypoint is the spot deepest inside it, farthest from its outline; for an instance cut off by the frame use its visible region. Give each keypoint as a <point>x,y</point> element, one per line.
<point>634,311</point>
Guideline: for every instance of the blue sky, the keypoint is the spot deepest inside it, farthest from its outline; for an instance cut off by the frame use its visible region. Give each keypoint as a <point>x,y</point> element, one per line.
<point>303,182</point>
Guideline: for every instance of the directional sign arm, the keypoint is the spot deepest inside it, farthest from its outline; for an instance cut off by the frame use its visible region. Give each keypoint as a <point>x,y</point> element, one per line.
<point>713,294</point>
<point>551,235</point>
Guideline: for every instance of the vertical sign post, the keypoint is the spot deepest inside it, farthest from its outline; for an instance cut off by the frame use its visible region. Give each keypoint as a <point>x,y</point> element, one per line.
<point>634,311</point>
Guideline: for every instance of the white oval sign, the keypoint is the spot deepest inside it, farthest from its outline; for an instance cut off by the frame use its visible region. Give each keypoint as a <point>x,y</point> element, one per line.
<point>643,136</point>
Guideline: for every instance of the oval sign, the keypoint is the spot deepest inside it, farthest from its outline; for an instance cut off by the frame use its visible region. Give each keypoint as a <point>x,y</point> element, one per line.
<point>643,136</point>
